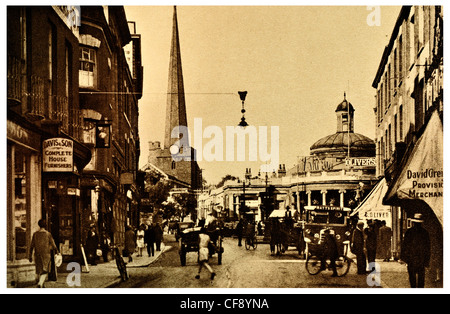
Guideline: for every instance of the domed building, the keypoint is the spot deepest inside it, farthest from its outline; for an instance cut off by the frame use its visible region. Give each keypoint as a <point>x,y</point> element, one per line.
<point>340,169</point>
<point>345,142</point>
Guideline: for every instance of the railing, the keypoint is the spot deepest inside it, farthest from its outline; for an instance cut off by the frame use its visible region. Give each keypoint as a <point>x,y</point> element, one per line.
<point>38,104</point>
<point>14,82</point>
<point>36,98</point>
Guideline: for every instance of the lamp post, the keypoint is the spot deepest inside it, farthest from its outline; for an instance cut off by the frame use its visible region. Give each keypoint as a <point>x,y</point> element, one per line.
<point>243,123</point>
<point>248,174</point>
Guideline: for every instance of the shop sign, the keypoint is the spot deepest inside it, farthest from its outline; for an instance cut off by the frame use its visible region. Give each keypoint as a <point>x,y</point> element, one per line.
<point>57,155</point>
<point>73,191</point>
<point>382,215</point>
<point>312,163</point>
<point>22,136</point>
<point>422,176</point>
<point>360,162</point>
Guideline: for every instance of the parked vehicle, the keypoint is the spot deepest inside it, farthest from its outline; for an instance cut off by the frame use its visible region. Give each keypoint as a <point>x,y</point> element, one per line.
<point>318,218</point>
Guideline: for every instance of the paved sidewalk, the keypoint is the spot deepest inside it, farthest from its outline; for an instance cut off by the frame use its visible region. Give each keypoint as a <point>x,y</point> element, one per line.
<point>102,275</point>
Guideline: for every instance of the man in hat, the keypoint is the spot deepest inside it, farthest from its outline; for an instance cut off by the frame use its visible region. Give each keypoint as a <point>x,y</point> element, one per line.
<point>416,251</point>
<point>358,248</point>
<point>329,251</point>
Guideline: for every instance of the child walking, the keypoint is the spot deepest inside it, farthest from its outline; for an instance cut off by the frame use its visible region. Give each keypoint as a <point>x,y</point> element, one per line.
<point>203,253</point>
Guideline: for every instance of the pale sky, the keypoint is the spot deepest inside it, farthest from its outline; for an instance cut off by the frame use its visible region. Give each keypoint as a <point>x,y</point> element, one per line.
<point>295,62</point>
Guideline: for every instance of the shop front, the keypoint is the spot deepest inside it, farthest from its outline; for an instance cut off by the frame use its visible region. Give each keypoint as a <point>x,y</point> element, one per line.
<point>417,187</point>
<point>62,160</point>
<point>23,196</point>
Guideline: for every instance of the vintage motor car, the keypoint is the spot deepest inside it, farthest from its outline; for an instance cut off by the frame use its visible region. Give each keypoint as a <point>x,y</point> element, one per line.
<point>321,217</point>
<point>189,243</point>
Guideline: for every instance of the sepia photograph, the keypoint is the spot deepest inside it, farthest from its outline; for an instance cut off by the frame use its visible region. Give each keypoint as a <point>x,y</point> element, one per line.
<point>224,148</point>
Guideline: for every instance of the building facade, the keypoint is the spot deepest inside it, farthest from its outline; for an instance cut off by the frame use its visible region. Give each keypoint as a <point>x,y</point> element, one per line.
<point>409,88</point>
<point>45,151</point>
<point>340,171</point>
<point>63,118</point>
<point>110,87</point>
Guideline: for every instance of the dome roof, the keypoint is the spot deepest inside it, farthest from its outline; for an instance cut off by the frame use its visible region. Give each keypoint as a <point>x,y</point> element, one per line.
<point>344,106</point>
<point>360,145</point>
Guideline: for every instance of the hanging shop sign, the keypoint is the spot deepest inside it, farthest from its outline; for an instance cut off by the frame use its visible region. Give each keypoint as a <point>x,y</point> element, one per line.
<point>57,155</point>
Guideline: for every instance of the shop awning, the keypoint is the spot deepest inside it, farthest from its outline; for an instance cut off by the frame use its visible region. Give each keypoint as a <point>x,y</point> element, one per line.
<point>422,174</point>
<point>372,206</point>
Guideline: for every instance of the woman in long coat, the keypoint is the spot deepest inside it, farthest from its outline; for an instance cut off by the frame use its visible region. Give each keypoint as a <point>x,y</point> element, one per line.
<point>130,243</point>
<point>42,243</point>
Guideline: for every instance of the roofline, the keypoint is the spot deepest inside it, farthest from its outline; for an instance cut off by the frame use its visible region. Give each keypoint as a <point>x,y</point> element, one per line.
<point>403,15</point>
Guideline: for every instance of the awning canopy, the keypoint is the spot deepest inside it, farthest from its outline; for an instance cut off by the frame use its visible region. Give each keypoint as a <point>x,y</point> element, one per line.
<point>422,173</point>
<point>372,206</point>
<point>277,213</point>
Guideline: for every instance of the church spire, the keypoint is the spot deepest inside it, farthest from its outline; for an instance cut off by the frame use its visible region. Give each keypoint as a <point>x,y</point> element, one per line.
<point>176,106</point>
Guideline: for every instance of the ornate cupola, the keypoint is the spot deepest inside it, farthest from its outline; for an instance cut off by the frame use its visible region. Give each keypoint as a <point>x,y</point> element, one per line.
<point>344,113</point>
<point>345,140</point>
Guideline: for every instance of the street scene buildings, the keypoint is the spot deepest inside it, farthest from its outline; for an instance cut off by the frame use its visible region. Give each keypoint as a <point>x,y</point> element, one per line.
<point>75,101</point>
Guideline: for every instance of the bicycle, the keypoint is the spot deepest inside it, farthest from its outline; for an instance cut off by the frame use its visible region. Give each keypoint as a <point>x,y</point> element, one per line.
<point>314,264</point>
<point>251,243</point>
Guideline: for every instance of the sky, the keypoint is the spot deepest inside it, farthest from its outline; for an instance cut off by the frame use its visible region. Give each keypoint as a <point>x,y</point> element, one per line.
<point>295,62</point>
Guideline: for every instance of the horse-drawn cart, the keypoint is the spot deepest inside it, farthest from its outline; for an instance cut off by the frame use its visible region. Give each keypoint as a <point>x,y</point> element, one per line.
<point>189,243</point>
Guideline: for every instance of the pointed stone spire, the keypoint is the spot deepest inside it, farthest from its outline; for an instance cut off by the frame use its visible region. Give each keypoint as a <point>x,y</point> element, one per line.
<point>176,106</point>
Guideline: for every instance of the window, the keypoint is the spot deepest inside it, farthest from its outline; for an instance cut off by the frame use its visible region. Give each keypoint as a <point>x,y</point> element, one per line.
<point>381,101</point>
<point>400,59</point>
<point>400,129</point>
<point>395,128</point>
<point>21,202</point>
<point>390,139</point>
<point>389,79</point>
<point>87,67</point>
<point>395,70</point>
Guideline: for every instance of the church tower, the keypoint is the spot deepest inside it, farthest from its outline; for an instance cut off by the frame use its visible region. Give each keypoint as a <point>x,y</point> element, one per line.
<point>176,105</point>
<point>185,172</point>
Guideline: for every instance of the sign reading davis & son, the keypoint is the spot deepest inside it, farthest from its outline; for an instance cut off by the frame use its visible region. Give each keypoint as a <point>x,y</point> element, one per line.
<point>57,155</point>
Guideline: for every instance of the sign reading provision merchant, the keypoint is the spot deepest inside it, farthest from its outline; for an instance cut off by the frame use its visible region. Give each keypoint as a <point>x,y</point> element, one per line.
<point>57,155</point>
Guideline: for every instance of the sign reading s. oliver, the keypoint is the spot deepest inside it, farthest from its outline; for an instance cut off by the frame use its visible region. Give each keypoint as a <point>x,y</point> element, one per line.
<point>57,155</point>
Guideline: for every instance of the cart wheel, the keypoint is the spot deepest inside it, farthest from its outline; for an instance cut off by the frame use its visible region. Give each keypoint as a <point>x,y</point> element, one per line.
<point>313,265</point>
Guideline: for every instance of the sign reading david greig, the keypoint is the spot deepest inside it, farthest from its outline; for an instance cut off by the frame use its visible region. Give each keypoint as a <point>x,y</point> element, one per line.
<point>57,155</point>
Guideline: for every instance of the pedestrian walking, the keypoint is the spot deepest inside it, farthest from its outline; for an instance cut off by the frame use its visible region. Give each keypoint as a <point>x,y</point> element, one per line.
<point>371,243</point>
<point>384,240</point>
<point>130,243</point>
<point>92,242</point>
<point>275,235</point>
<point>358,248</point>
<point>416,251</point>
<point>240,231</point>
<point>203,253</point>
<point>105,246</point>
<point>158,236</point>
<point>260,228</point>
<point>149,239</point>
<point>140,239</point>
<point>42,243</point>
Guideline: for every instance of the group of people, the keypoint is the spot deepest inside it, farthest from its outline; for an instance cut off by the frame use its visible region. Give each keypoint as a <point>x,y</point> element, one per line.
<point>415,248</point>
<point>370,242</point>
<point>147,236</point>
